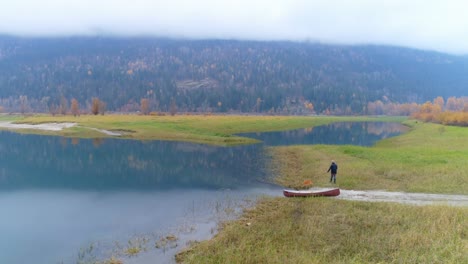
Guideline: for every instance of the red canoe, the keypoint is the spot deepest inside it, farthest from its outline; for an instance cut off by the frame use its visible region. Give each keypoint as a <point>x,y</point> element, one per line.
<point>311,193</point>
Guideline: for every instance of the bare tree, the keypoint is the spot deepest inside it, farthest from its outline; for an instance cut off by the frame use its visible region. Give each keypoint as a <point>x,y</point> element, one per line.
<point>23,99</point>
<point>53,109</point>
<point>144,105</point>
<point>63,105</point>
<point>173,107</point>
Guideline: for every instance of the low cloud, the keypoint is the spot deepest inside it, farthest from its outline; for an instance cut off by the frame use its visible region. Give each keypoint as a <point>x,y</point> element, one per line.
<point>437,25</point>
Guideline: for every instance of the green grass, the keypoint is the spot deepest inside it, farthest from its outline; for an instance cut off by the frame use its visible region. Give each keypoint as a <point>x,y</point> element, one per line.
<point>5,117</point>
<point>426,159</point>
<point>335,231</point>
<point>208,129</point>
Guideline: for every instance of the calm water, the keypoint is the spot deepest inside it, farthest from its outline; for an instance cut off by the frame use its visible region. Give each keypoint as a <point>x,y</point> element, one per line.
<point>69,200</point>
<point>342,133</point>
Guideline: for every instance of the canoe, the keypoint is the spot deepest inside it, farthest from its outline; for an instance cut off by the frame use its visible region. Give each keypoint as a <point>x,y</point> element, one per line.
<point>311,193</point>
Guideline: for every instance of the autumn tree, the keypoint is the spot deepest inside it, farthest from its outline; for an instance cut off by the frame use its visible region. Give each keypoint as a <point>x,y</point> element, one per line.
<point>455,104</point>
<point>428,112</point>
<point>440,102</point>
<point>144,106</point>
<point>75,107</point>
<point>95,103</point>
<point>309,106</point>
<point>375,108</point>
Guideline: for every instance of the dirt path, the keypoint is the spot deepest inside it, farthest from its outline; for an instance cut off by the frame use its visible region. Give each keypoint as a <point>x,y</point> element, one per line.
<point>402,197</point>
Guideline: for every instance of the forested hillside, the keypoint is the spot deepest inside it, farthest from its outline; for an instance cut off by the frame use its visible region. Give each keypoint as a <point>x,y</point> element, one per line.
<point>37,74</point>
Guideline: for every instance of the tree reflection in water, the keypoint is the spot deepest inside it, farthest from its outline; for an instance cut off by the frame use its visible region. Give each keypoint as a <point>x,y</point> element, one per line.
<point>341,133</point>
<point>31,161</point>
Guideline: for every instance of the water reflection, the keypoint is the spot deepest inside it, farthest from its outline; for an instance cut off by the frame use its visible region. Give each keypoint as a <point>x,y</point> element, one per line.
<point>30,161</point>
<point>342,133</point>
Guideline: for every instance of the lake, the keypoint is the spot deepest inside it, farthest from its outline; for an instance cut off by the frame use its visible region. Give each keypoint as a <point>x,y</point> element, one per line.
<point>70,200</point>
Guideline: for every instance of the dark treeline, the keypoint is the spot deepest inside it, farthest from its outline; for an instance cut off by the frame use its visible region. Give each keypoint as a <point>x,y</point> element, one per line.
<point>37,74</point>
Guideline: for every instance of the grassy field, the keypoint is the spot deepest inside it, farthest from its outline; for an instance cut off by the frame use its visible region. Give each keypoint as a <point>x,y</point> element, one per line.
<point>208,129</point>
<point>429,158</point>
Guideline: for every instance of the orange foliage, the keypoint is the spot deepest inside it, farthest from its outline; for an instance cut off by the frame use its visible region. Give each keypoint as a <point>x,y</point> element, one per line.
<point>308,183</point>
<point>427,112</point>
<point>452,112</point>
<point>455,113</point>
<point>74,107</point>
<point>95,103</point>
<point>453,118</point>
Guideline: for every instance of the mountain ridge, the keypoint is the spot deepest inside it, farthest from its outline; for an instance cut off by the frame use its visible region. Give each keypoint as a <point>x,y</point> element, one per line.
<point>222,75</point>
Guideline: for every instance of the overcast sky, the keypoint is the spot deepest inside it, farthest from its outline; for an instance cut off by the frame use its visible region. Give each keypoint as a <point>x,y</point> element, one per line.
<point>426,24</point>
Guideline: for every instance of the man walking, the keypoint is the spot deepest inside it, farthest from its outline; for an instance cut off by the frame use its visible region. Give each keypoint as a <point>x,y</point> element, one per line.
<point>333,169</point>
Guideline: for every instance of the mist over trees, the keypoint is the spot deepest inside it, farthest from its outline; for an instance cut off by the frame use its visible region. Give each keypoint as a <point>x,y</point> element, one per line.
<point>148,74</point>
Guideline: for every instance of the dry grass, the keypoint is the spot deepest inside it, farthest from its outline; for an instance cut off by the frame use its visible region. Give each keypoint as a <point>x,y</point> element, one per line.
<point>335,231</point>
